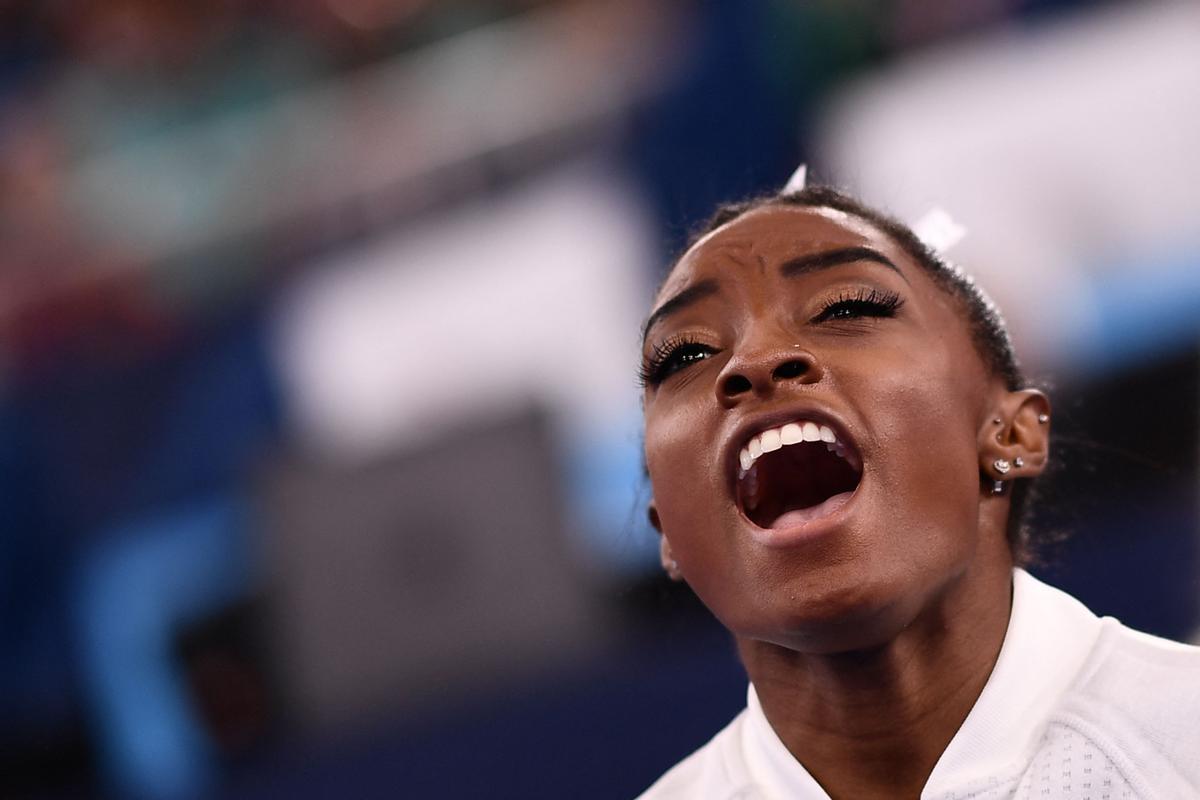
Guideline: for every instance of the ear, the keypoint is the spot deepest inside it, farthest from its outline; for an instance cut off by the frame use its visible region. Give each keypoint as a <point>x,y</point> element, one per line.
<point>666,557</point>
<point>652,515</point>
<point>1016,434</point>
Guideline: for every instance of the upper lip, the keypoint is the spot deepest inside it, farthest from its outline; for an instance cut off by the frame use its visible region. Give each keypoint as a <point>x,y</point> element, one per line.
<point>753,424</point>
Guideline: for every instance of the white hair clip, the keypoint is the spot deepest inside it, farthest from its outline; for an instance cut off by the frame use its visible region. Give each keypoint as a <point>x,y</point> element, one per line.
<point>938,230</point>
<point>797,182</point>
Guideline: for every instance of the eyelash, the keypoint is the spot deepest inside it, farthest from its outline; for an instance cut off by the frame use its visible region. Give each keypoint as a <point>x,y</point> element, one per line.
<point>681,351</point>
<point>861,302</point>
<point>669,357</point>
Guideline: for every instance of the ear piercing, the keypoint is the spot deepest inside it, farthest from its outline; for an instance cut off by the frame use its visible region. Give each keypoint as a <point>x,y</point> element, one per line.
<point>1043,418</point>
<point>1002,466</point>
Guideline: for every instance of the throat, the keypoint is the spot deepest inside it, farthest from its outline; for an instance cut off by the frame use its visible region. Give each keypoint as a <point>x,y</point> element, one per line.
<point>873,721</point>
<point>863,727</point>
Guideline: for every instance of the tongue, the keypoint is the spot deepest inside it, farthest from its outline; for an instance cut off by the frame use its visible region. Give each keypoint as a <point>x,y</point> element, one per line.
<point>799,516</point>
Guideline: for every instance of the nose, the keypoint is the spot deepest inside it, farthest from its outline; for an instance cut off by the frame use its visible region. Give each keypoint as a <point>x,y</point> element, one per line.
<point>759,372</point>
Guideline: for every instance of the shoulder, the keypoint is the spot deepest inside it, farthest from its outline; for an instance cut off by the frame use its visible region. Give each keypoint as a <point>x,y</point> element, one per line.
<point>1138,696</point>
<point>711,773</point>
<point>1151,684</point>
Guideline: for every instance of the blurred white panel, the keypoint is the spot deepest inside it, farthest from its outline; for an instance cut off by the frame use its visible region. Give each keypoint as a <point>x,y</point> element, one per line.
<point>537,296</point>
<point>1067,151</point>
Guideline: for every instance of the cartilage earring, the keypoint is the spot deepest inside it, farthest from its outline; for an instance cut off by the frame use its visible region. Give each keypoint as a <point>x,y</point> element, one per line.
<point>1018,462</point>
<point>998,487</point>
<point>1043,418</point>
<point>1002,465</point>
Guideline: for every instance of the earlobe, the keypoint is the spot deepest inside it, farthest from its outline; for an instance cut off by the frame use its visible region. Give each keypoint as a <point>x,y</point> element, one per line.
<point>666,557</point>
<point>669,564</point>
<point>1015,441</point>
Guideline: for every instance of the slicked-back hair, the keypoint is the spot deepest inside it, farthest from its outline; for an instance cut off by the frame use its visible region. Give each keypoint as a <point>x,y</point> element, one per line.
<point>986,326</point>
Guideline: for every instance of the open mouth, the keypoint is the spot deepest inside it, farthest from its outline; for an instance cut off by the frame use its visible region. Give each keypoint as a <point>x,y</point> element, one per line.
<point>795,473</point>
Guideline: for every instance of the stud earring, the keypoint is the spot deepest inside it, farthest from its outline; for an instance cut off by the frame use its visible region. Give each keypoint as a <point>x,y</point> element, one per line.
<point>998,487</point>
<point>997,421</point>
<point>1002,465</point>
<point>1043,418</point>
<point>1018,462</point>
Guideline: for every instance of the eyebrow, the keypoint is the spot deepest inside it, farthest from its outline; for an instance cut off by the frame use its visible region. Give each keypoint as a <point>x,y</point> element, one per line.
<point>687,297</point>
<point>801,265</point>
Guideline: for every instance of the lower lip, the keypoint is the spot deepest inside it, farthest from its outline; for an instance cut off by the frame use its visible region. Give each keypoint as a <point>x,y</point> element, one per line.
<point>805,524</point>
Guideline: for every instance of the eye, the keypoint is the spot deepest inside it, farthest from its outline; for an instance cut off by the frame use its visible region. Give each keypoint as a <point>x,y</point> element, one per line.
<point>671,356</point>
<point>859,303</point>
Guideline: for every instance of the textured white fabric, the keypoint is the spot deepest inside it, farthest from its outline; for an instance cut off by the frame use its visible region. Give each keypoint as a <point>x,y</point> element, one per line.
<point>1076,708</point>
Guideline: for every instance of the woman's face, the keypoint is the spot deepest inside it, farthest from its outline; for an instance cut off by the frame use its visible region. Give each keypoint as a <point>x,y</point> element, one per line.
<point>792,315</point>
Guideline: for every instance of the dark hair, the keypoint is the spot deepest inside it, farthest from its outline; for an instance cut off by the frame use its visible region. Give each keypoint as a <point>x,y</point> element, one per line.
<point>988,331</point>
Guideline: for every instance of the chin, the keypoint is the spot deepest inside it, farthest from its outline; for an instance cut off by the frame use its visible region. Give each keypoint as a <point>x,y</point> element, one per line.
<point>824,617</point>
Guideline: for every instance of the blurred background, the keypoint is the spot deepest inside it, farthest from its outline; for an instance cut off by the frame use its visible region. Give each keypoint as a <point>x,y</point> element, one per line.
<point>319,435</point>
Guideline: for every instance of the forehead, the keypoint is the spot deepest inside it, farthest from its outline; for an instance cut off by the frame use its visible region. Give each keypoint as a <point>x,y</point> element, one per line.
<point>772,234</point>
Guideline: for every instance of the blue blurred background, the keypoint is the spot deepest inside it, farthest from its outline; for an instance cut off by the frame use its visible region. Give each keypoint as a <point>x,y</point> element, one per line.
<point>319,436</point>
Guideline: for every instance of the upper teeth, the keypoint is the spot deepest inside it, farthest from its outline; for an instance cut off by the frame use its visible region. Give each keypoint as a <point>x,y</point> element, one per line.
<point>792,433</point>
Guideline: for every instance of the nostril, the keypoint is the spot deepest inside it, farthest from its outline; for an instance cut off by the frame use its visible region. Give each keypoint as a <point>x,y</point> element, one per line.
<point>736,384</point>
<point>789,369</point>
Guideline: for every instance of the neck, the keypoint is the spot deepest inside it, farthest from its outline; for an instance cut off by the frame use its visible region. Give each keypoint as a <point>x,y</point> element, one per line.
<point>873,723</point>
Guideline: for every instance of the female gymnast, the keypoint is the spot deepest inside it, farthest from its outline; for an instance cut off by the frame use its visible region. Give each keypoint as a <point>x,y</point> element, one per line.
<point>841,447</point>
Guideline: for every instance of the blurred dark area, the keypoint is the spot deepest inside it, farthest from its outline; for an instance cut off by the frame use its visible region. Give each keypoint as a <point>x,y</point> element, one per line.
<point>320,469</point>
<point>1119,512</point>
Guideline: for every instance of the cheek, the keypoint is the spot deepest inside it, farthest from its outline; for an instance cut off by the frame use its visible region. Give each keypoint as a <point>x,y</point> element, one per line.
<point>927,412</point>
<point>686,479</point>
<point>674,442</point>
<point>684,470</point>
